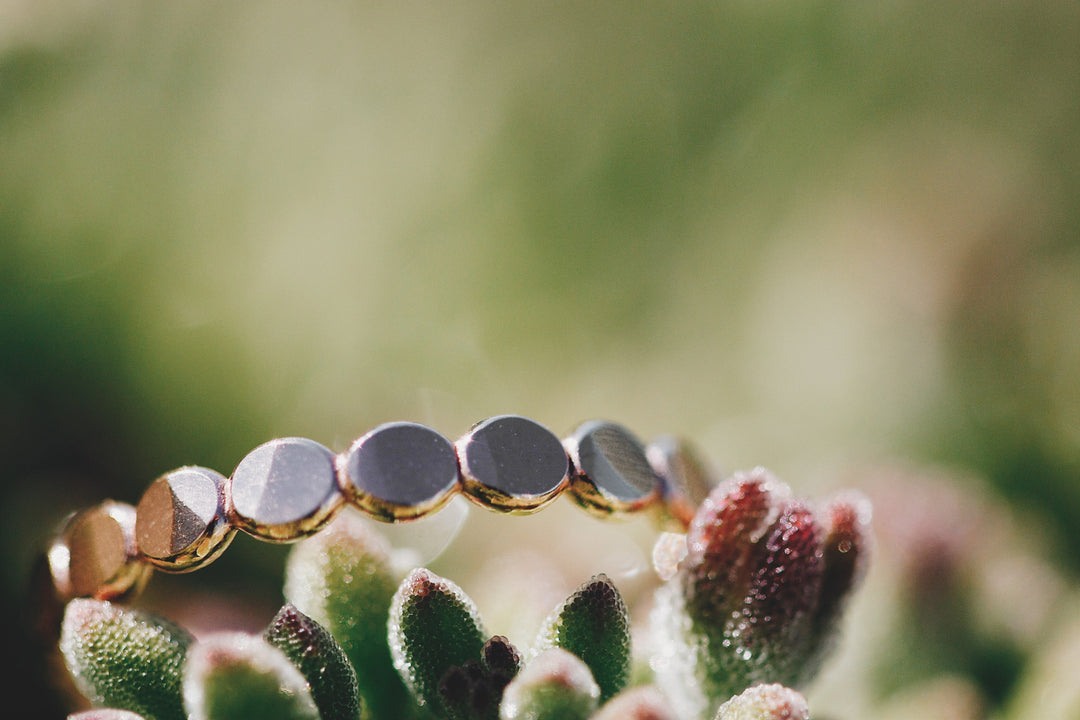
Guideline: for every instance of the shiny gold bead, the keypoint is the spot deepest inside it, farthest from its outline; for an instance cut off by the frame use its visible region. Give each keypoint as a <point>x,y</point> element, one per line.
<point>686,480</point>
<point>399,471</point>
<point>181,522</point>
<point>285,490</point>
<point>95,554</point>
<point>512,464</point>
<point>611,472</point>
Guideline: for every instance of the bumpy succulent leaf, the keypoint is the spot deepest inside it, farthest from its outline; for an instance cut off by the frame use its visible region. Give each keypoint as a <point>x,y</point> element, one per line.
<point>479,696</point>
<point>845,552</point>
<point>773,630</point>
<point>644,702</point>
<point>694,656</point>
<point>344,579</point>
<point>720,543</point>
<point>593,624</point>
<point>474,690</point>
<point>434,626</point>
<point>677,654</point>
<point>554,685</point>
<point>320,660</point>
<point>105,714</point>
<point>500,658</point>
<point>765,702</point>
<point>125,659</point>
<point>234,675</point>
<point>756,598</point>
<point>464,694</point>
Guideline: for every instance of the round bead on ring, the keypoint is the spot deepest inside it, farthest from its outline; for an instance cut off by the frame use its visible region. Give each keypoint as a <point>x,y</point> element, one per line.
<point>512,464</point>
<point>611,471</point>
<point>285,490</point>
<point>399,471</point>
<point>95,555</point>
<point>181,521</point>
<point>685,479</point>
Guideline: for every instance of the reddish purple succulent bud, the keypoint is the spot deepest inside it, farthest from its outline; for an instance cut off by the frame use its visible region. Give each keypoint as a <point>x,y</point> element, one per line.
<point>845,552</point>
<point>758,595</point>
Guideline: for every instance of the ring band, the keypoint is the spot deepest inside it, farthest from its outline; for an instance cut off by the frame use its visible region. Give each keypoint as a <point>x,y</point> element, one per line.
<point>290,488</point>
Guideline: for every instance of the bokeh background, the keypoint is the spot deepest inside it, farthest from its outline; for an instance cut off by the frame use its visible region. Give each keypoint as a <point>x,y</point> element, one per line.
<point>838,240</point>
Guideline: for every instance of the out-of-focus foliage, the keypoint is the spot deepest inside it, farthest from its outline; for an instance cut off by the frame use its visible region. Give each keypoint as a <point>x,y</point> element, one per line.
<point>806,235</point>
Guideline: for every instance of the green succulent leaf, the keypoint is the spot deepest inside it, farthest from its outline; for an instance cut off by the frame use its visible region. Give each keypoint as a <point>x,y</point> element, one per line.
<point>554,685</point>
<point>765,702</point>
<point>320,660</point>
<point>125,659</point>
<point>434,627</point>
<point>234,675</point>
<point>344,579</point>
<point>593,624</point>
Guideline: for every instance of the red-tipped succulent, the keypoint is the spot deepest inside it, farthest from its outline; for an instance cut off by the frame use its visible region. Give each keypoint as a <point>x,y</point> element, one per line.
<point>758,594</point>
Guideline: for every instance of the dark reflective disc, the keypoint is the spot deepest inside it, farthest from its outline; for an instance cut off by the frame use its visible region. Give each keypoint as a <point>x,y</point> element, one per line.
<point>611,472</point>
<point>180,523</point>
<point>400,471</point>
<point>512,464</point>
<point>686,481</point>
<point>285,489</point>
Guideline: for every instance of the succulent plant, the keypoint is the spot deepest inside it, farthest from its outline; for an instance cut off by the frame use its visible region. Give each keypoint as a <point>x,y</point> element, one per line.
<point>742,623</point>
<point>758,594</point>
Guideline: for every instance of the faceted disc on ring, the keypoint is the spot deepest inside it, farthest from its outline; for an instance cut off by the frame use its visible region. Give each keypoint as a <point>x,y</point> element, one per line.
<point>512,464</point>
<point>95,554</point>
<point>399,471</point>
<point>181,521</point>
<point>611,471</point>
<point>285,489</point>
<point>685,478</point>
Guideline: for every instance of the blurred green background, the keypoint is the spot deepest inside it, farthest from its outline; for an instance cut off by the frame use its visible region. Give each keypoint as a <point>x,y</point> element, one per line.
<point>811,236</point>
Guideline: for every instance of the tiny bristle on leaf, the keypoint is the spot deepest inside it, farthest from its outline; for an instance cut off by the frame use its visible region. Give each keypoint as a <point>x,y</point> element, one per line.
<point>593,624</point>
<point>344,579</point>
<point>125,659</point>
<point>320,660</point>
<point>554,685</point>
<point>433,627</point>
<point>765,702</point>
<point>233,675</point>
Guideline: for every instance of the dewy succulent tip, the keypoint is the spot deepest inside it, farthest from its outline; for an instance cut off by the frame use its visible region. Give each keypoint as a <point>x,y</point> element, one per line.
<point>756,598</point>
<point>594,624</point>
